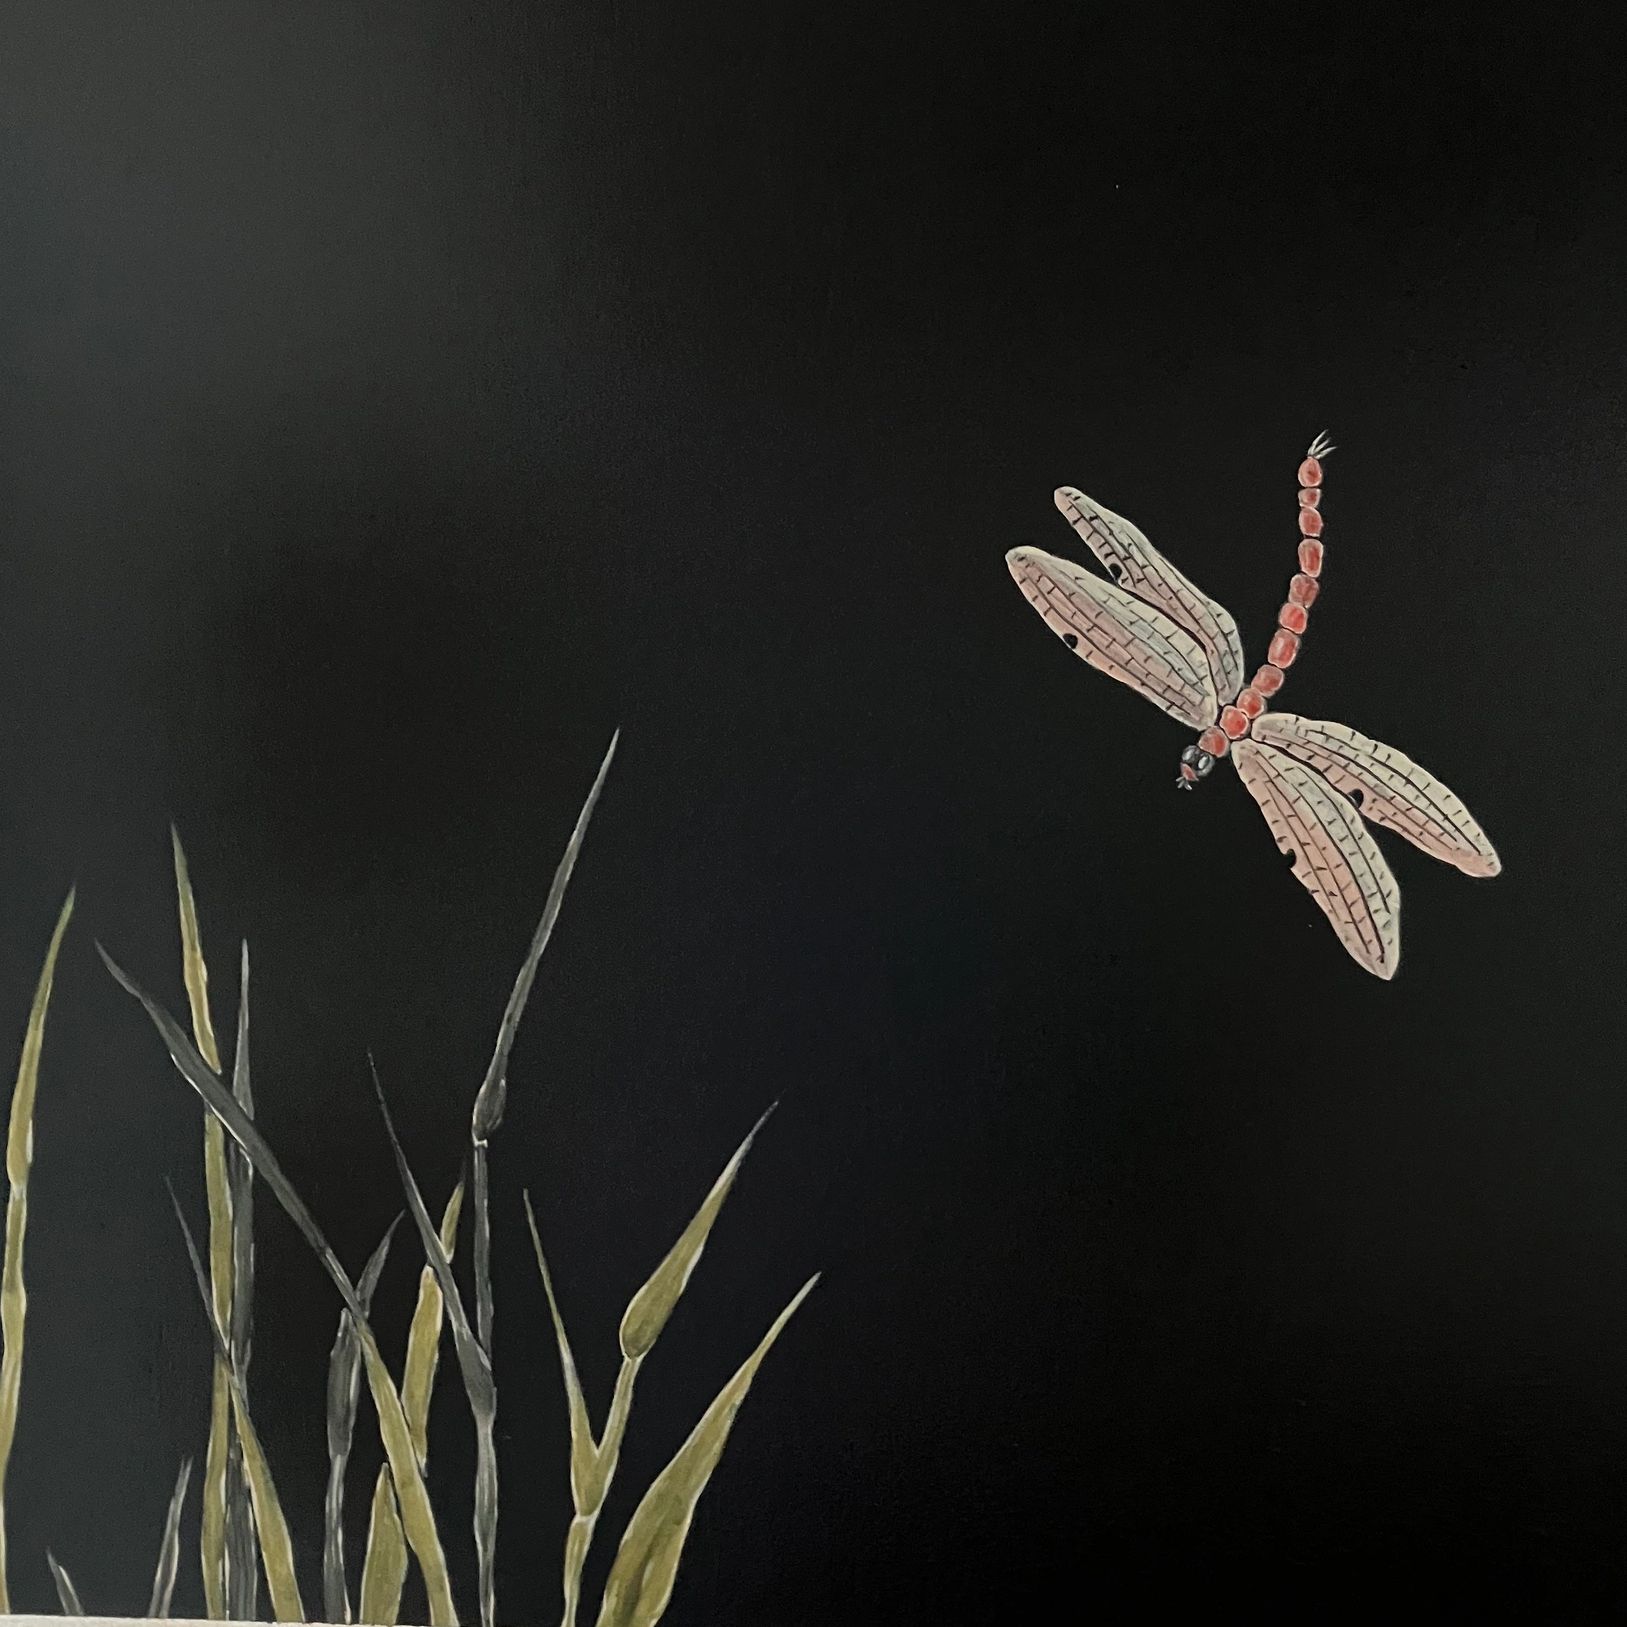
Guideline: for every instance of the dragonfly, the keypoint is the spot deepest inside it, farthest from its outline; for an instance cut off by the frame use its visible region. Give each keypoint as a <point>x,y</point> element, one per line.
<point>1316,782</point>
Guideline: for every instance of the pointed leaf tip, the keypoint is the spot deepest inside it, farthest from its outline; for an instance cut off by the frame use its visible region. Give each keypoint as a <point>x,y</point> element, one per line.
<point>654,1303</point>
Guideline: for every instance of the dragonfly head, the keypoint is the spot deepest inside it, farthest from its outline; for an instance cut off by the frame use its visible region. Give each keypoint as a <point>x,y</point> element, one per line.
<point>1195,764</point>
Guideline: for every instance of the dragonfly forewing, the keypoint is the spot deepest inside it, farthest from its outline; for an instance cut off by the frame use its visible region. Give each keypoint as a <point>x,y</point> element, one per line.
<point>1119,634</point>
<point>1394,791</point>
<point>1135,564</point>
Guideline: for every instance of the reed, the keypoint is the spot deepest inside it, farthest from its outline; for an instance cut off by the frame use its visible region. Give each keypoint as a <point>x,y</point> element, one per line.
<point>217,1463</point>
<point>344,1392</point>
<point>19,1164</point>
<point>169,1548</point>
<point>67,1594</point>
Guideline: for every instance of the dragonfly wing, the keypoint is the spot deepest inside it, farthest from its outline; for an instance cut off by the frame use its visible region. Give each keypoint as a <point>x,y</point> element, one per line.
<point>1119,634</point>
<point>1335,858</point>
<point>1134,563</point>
<point>1393,790</point>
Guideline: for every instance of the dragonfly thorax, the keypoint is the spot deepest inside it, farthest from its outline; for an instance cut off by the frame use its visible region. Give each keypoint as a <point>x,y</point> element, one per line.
<point>1195,764</point>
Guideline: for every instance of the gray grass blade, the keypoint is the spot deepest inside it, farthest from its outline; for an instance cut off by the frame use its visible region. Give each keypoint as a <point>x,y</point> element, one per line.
<point>65,1590</point>
<point>418,1518</point>
<point>474,1366</point>
<point>169,1550</point>
<point>344,1393</point>
<point>242,1557</point>
<point>242,1191</point>
<point>492,1096</point>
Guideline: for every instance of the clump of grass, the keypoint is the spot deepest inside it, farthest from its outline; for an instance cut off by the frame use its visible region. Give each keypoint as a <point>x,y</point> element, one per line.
<point>384,1570</point>
<point>243,1526</point>
<point>418,1516</point>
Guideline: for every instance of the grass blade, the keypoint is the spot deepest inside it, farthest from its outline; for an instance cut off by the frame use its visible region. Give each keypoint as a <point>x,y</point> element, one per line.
<point>19,1162</point>
<point>217,1181</point>
<point>344,1392</point>
<point>650,1307</point>
<point>417,1386</point>
<point>242,1562</point>
<point>276,1545</point>
<point>492,1096</point>
<point>424,1336</point>
<point>588,1483</point>
<point>584,1449</point>
<point>386,1557</point>
<point>417,1515</point>
<point>473,1364</point>
<point>646,1315</point>
<point>65,1590</point>
<point>169,1550</point>
<point>646,1565</point>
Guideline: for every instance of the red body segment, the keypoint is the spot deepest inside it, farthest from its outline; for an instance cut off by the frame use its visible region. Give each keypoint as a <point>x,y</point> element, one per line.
<point>1284,648</point>
<point>1236,720</point>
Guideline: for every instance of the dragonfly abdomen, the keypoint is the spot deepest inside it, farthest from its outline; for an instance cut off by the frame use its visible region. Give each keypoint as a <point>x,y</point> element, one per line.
<point>1236,719</point>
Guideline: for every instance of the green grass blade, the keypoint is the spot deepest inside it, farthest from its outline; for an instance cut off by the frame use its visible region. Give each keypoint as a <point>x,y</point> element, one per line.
<point>646,1564</point>
<point>217,1476</point>
<point>417,1514</point>
<point>492,1096</point>
<point>588,1483</point>
<point>344,1394</point>
<point>169,1550</point>
<point>19,1162</point>
<point>66,1592</point>
<point>473,1364</point>
<point>386,1558</point>
<point>424,1336</point>
<point>650,1307</point>
<point>276,1545</point>
<point>593,1471</point>
<point>417,1386</point>
<point>242,1562</point>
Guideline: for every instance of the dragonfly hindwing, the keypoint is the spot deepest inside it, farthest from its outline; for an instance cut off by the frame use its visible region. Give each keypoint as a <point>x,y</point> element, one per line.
<point>1335,858</point>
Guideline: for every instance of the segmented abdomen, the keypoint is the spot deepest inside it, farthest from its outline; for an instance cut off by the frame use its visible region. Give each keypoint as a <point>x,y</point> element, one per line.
<point>1236,719</point>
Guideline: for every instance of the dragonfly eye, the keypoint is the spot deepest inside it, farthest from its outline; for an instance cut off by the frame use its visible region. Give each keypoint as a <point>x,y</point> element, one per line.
<point>1190,755</point>
<point>1204,762</point>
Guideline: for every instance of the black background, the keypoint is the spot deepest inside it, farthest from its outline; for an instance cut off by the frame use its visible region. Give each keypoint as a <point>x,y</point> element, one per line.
<point>399,397</point>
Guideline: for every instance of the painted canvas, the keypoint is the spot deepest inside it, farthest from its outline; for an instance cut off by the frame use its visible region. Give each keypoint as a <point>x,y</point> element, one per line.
<point>635,984</point>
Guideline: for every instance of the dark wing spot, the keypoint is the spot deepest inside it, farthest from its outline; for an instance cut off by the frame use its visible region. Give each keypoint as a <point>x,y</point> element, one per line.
<point>1115,570</point>
<point>1071,640</point>
<point>1356,795</point>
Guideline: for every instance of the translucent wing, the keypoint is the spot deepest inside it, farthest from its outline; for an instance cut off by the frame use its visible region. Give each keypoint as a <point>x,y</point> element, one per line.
<point>1119,634</point>
<point>1134,563</point>
<point>1335,858</point>
<point>1394,791</point>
